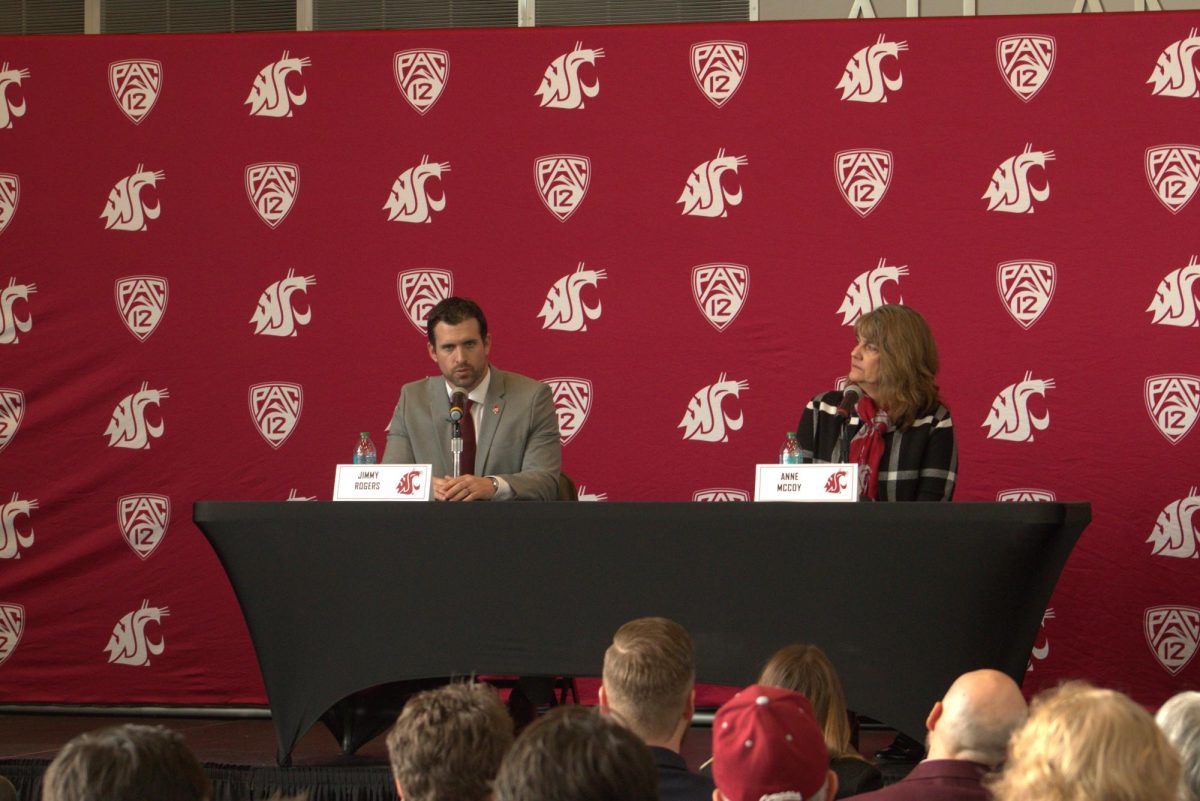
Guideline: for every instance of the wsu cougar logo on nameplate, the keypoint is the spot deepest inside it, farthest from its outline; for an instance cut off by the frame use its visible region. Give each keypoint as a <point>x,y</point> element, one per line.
<point>720,292</point>
<point>12,412</point>
<point>12,540</point>
<point>410,200</point>
<point>12,626</point>
<point>1025,61</point>
<point>1175,73</point>
<point>421,76</point>
<point>271,188</point>
<point>420,291</point>
<point>1025,495</point>
<point>1172,171</point>
<point>1011,189</point>
<point>10,108</point>
<point>1026,288</point>
<point>562,182</point>
<point>10,193</point>
<point>1177,531</point>
<point>561,86</point>
<point>572,402</point>
<point>129,644</point>
<point>269,95</point>
<point>1177,299</point>
<point>719,495</point>
<point>865,292</point>
<point>135,85</point>
<point>12,326</point>
<point>706,419</point>
<point>125,209</point>
<point>863,177</point>
<point>564,309</point>
<point>1172,633</point>
<point>1010,417</point>
<point>143,519</point>
<point>863,80</point>
<point>704,195</point>
<point>275,315</point>
<point>276,407</point>
<point>718,68</point>
<point>1172,401</point>
<point>141,302</point>
<point>128,427</point>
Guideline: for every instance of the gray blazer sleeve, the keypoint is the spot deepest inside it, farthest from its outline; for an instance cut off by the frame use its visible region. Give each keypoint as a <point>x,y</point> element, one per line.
<point>542,459</point>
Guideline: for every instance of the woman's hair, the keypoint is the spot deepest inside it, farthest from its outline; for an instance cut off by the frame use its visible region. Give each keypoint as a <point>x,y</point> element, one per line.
<point>805,669</point>
<point>908,361</point>
<point>1082,743</point>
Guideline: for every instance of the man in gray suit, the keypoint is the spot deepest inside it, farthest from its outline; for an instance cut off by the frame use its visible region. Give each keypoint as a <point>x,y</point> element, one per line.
<point>510,418</point>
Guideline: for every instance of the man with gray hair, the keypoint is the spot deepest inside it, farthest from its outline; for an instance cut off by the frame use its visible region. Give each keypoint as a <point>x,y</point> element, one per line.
<point>968,737</point>
<point>1179,719</point>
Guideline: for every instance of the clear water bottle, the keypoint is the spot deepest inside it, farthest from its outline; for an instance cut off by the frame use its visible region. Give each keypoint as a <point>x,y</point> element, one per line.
<point>789,453</point>
<point>364,451</point>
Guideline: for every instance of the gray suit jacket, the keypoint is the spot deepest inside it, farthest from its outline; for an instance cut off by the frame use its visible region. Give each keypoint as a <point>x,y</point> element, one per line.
<point>517,438</point>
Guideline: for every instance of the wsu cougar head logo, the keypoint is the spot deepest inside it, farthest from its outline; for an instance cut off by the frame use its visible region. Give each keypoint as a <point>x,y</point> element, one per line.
<point>863,80</point>
<point>1172,633</point>
<point>420,291</point>
<point>12,539</point>
<point>1011,189</point>
<point>591,497</point>
<point>564,309</point>
<point>129,644</point>
<point>1041,646</point>
<point>12,626</point>
<point>276,315</point>
<point>1177,299</point>
<point>561,86</point>
<point>11,326</point>
<point>125,209</point>
<point>865,292</point>
<point>143,519</point>
<point>271,188</point>
<point>269,95</point>
<point>1010,417</point>
<point>562,183</point>
<point>1173,172</point>
<point>421,76</point>
<point>1025,289</point>
<point>706,419</point>
<point>1172,401</point>
<point>12,412</point>
<point>1177,531</point>
<point>704,195</point>
<point>141,302</point>
<point>718,69</point>
<point>410,200</point>
<point>129,427</point>
<point>1025,62</point>
<point>836,484</point>
<point>135,85</point>
<point>572,403</point>
<point>863,177</point>
<point>720,292</point>
<point>10,107</point>
<point>1175,73</point>
<point>1025,495</point>
<point>275,408</point>
<point>720,495</point>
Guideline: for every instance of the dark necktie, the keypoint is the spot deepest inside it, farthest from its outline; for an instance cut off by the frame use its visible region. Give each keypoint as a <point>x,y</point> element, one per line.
<point>468,436</point>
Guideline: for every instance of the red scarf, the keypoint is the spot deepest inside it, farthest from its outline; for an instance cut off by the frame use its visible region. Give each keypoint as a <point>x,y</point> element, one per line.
<point>867,446</point>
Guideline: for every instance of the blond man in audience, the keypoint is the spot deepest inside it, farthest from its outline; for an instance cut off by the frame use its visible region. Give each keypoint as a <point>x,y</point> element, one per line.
<point>126,763</point>
<point>1179,719</point>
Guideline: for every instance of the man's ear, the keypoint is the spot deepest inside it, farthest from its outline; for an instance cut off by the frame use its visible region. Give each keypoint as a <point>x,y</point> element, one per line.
<point>603,699</point>
<point>717,795</point>
<point>689,709</point>
<point>399,789</point>
<point>935,715</point>
<point>831,783</point>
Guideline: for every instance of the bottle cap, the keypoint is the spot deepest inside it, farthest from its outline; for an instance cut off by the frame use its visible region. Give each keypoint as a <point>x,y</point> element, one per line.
<point>364,434</point>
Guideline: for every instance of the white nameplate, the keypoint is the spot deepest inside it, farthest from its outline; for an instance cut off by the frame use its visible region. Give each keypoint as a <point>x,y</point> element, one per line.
<point>382,482</point>
<point>806,482</point>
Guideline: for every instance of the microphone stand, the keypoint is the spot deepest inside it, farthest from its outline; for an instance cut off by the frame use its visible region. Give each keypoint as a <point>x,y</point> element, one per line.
<point>456,447</point>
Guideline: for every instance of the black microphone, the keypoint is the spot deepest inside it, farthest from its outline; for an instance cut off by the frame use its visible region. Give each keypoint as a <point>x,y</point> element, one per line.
<point>457,401</point>
<point>850,397</point>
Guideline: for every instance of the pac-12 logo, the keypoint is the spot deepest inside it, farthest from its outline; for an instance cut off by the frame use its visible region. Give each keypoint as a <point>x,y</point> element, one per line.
<point>410,199</point>
<point>1025,62</point>
<point>275,407</point>
<point>141,302</point>
<point>562,182</point>
<point>271,188</point>
<point>420,290</point>
<point>1011,188</point>
<point>12,326</point>
<point>572,404</point>
<point>561,85</point>
<point>1172,172</point>
<point>836,484</point>
<point>564,309</point>
<point>720,495</point>
<point>10,108</point>
<point>129,426</point>
<point>143,519</point>
<point>12,539</point>
<point>865,292</point>
<point>1025,495</point>
<point>12,412</point>
<point>129,643</point>
<point>1172,401</point>
<point>704,194</point>
<point>864,81</point>
<point>276,314</point>
<point>421,76</point>
<point>12,626</point>
<point>1175,73</point>
<point>706,419</point>
<point>718,67</point>
<point>1025,288</point>
<point>720,292</point>
<point>269,94</point>
<point>1177,531</point>
<point>126,209</point>
<point>863,177</point>
<point>135,85</point>
<point>1010,417</point>
<point>1172,633</point>
<point>1177,299</point>
<point>10,195</point>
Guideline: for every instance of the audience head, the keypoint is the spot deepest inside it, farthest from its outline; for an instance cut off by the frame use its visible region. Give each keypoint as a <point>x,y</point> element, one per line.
<point>767,742</point>
<point>7,791</point>
<point>448,742</point>
<point>806,670</point>
<point>1082,743</point>
<point>976,717</point>
<point>648,680</point>
<point>129,763</point>
<point>575,754</point>
<point>1179,719</point>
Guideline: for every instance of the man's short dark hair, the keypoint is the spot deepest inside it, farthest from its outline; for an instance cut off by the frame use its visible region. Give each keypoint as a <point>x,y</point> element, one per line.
<point>131,763</point>
<point>453,311</point>
<point>576,753</point>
